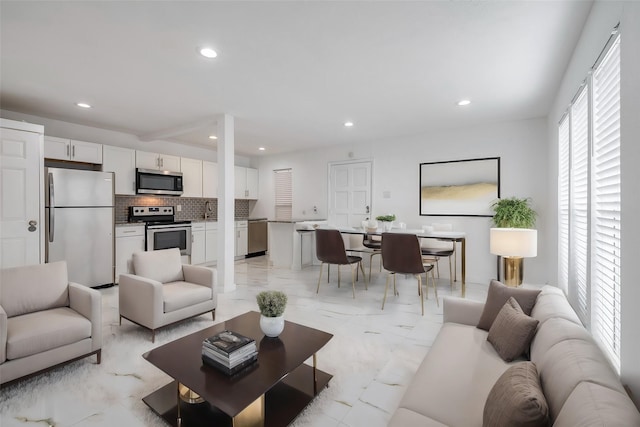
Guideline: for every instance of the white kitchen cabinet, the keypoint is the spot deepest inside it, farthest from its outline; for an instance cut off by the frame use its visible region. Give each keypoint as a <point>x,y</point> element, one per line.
<point>122,162</point>
<point>252,184</point>
<point>209,180</point>
<point>69,149</point>
<point>147,160</point>
<point>246,183</point>
<point>198,243</point>
<point>129,239</point>
<point>191,177</point>
<point>211,250</point>
<point>242,238</point>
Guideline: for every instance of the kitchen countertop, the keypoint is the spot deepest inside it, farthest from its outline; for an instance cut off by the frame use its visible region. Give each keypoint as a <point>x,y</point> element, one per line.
<point>293,221</point>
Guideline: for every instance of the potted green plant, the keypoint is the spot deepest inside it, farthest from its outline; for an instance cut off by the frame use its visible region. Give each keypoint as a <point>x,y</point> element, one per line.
<point>513,213</point>
<point>514,237</point>
<point>272,305</point>
<point>387,221</point>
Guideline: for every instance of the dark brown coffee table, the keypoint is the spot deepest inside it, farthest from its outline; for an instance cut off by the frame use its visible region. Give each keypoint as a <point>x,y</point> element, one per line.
<point>272,392</point>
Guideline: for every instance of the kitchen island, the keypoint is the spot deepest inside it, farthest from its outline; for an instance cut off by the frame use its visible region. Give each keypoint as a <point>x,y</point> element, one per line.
<point>292,242</point>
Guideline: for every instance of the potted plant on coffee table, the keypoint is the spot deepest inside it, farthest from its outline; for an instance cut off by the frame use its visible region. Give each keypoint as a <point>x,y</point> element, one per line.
<point>272,305</point>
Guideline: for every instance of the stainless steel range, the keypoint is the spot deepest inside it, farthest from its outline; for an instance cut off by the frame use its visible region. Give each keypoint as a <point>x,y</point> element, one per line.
<point>162,230</point>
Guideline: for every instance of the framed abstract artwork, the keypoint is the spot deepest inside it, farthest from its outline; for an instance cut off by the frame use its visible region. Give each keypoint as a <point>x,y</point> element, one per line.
<point>459,187</point>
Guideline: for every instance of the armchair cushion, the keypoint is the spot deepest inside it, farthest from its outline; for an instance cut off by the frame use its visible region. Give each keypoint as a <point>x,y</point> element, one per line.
<point>23,289</point>
<point>44,330</point>
<point>164,265</point>
<point>178,295</point>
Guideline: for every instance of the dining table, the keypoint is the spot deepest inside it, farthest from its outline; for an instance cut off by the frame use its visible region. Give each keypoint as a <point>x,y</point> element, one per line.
<point>448,236</point>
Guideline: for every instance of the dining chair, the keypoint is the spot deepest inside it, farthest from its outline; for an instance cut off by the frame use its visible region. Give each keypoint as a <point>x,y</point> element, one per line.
<point>433,249</point>
<point>401,254</point>
<point>374,244</point>
<point>330,249</point>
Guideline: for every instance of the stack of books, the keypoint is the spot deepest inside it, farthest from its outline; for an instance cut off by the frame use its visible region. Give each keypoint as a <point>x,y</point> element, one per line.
<point>229,352</point>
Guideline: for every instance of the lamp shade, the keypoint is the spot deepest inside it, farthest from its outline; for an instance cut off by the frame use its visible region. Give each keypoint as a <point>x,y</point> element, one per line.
<point>518,242</point>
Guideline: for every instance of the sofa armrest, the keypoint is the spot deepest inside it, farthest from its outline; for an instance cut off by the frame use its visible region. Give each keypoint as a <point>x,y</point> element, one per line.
<point>88,302</point>
<point>3,335</point>
<point>460,310</point>
<point>199,275</point>
<point>141,300</point>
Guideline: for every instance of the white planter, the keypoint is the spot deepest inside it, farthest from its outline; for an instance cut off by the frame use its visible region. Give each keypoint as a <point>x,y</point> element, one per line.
<point>387,225</point>
<point>272,326</point>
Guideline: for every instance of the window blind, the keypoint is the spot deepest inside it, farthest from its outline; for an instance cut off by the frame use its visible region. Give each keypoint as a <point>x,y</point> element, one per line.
<point>579,200</point>
<point>284,194</point>
<point>563,204</point>
<point>605,311</point>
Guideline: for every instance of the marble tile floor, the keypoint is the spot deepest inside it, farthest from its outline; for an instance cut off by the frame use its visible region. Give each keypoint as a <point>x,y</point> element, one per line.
<point>373,354</point>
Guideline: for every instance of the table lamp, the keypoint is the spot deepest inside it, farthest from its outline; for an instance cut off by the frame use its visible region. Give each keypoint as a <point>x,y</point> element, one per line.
<point>513,244</point>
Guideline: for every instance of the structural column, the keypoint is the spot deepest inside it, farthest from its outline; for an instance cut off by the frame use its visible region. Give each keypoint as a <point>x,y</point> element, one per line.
<point>226,204</point>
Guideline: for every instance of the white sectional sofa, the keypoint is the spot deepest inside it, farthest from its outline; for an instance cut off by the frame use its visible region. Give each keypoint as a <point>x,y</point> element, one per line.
<point>454,380</point>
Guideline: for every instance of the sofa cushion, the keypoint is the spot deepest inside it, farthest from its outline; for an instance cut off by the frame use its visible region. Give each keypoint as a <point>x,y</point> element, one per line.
<point>552,332</point>
<point>404,417</point>
<point>498,295</point>
<point>511,331</point>
<point>452,383</point>
<point>163,266</point>
<point>34,333</point>
<point>594,405</point>
<point>567,364</point>
<point>516,399</point>
<point>551,304</point>
<point>177,295</point>
<point>34,288</point>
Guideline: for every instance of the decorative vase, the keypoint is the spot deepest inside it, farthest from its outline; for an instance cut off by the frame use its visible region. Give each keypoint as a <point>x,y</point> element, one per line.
<point>387,225</point>
<point>272,326</point>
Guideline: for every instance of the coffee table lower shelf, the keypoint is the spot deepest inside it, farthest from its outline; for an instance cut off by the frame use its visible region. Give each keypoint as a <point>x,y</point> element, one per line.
<point>283,403</point>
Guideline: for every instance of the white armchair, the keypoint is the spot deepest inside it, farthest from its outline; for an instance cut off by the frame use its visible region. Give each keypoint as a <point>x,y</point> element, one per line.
<point>164,291</point>
<point>45,320</point>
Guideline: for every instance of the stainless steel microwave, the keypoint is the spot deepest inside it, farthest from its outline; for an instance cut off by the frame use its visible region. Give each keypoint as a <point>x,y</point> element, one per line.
<point>150,181</point>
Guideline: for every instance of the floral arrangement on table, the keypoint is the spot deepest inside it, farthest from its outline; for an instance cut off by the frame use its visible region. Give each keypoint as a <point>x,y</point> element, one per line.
<point>386,218</point>
<point>272,303</point>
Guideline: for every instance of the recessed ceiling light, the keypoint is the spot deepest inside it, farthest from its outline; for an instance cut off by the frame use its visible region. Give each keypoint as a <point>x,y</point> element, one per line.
<point>213,137</point>
<point>464,102</point>
<point>261,148</point>
<point>348,124</point>
<point>207,52</point>
<point>83,105</point>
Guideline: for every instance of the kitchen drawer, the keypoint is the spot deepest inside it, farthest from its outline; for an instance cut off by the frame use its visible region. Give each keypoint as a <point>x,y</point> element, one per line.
<point>198,226</point>
<point>129,230</point>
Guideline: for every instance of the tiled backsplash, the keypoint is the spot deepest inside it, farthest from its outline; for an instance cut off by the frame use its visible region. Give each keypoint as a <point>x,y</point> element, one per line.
<point>192,208</point>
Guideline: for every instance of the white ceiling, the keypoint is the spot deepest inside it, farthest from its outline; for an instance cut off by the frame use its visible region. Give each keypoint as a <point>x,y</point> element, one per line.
<point>291,73</point>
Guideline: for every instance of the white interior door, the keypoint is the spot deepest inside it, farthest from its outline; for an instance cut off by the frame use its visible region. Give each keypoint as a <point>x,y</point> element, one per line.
<point>349,193</point>
<point>20,211</point>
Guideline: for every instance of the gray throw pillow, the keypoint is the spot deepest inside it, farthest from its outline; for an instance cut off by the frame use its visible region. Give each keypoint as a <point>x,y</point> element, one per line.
<point>516,399</point>
<point>512,331</point>
<point>498,295</point>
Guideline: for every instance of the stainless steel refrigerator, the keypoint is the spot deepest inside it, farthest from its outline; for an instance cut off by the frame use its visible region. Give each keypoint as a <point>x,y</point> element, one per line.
<point>79,226</point>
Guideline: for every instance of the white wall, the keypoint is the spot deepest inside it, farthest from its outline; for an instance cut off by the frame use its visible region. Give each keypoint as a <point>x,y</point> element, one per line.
<point>121,139</point>
<point>522,147</point>
<point>604,16</point>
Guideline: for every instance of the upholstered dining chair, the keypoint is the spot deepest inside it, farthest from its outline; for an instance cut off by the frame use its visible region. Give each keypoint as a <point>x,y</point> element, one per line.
<point>433,249</point>
<point>401,254</point>
<point>330,249</point>
<point>164,291</point>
